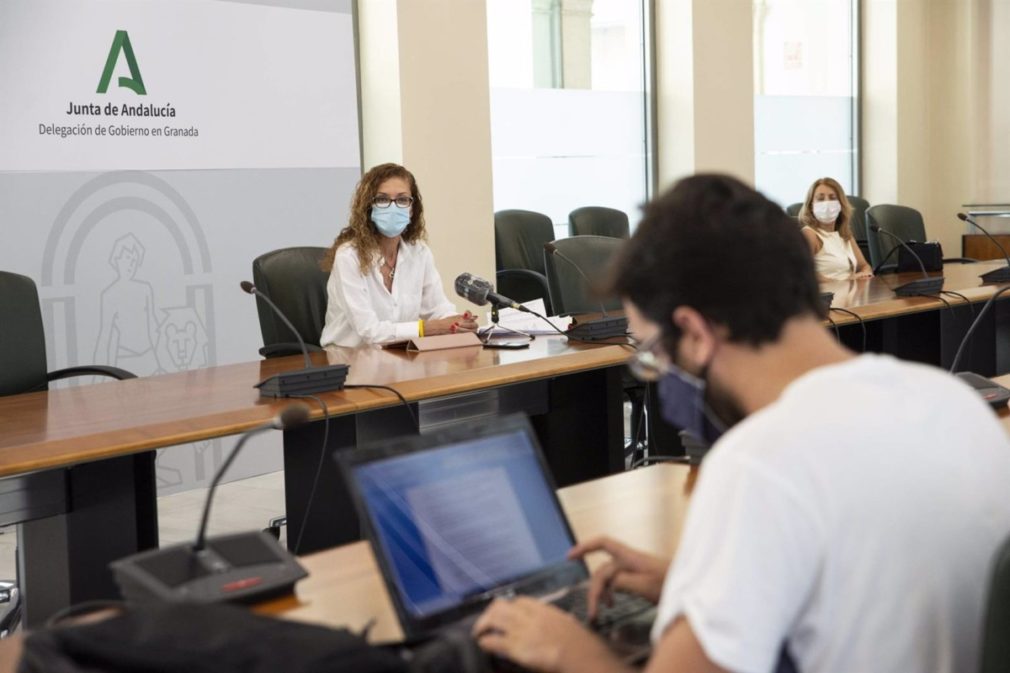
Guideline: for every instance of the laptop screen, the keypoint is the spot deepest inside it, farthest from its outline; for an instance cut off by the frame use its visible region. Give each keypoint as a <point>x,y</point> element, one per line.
<point>464,518</point>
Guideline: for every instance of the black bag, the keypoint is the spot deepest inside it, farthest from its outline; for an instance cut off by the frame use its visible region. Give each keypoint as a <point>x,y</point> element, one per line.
<point>189,638</point>
<point>930,253</point>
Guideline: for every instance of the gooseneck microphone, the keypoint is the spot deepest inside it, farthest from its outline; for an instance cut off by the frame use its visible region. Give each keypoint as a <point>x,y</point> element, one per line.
<point>1000,275</point>
<point>308,381</point>
<point>876,269</point>
<point>553,250</point>
<point>246,567</point>
<point>606,327</point>
<point>993,393</point>
<point>289,418</point>
<point>925,285</point>
<point>249,288</point>
<point>481,292</point>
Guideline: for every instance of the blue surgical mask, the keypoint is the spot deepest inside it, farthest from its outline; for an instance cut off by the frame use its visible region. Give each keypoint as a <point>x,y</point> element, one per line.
<point>682,405</point>
<point>391,221</point>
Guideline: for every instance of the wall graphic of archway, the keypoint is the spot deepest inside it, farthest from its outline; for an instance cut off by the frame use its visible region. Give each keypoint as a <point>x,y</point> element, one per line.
<point>147,322</point>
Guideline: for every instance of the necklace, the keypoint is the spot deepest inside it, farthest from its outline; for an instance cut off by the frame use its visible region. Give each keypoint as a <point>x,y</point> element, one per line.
<point>391,267</point>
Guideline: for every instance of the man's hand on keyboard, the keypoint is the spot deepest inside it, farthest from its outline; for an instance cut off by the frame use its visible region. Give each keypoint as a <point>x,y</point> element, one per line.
<point>628,570</point>
<point>541,637</point>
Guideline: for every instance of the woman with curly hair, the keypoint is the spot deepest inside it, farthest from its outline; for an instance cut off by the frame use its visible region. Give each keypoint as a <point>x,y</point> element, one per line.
<point>826,218</point>
<point>383,284</point>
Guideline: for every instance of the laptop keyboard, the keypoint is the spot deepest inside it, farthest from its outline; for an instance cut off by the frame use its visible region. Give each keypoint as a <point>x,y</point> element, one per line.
<point>576,602</point>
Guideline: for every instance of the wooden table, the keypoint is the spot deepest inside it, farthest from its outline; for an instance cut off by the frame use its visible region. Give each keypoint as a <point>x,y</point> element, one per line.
<point>644,508</point>
<point>925,329</point>
<point>90,495</point>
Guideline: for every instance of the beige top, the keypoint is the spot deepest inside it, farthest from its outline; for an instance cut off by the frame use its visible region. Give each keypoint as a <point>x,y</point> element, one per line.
<point>836,258</point>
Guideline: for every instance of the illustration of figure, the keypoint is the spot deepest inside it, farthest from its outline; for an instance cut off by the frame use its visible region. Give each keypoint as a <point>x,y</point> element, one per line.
<point>129,325</point>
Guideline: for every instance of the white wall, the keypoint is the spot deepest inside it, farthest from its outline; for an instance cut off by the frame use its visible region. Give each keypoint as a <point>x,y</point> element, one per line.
<point>425,104</point>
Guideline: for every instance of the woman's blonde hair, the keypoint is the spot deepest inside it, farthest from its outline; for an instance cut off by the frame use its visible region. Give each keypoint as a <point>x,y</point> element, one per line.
<point>360,231</point>
<point>844,221</point>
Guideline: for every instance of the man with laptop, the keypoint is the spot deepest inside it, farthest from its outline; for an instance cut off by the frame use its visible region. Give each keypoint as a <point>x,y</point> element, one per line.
<point>440,508</point>
<point>847,515</point>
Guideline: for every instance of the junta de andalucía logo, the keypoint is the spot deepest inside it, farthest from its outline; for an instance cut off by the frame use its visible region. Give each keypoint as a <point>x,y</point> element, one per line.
<point>121,45</point>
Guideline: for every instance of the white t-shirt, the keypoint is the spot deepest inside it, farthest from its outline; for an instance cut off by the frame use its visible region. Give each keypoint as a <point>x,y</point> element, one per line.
<point>853,520</point>
<point>360,310</point>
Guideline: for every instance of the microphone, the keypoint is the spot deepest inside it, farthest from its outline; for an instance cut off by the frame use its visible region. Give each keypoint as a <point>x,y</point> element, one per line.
<point>606,327</point>
<point>289,418</point>
<point>876,269</point>
<point>993,393</point>
<point>307,381</point>
<point>925,285</point>
<point>1000,275</point>
<point>481,292</point>
<point>249,288</point>
<point>242,567</point>
<point>553,250</point>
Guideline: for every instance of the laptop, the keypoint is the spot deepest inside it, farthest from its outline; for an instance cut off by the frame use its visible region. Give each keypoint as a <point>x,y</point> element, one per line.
<point>468,513</point>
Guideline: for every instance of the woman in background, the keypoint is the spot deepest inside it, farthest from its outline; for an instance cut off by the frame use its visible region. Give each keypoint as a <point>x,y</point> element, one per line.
<point>383,284</point>
<point>826,217</point>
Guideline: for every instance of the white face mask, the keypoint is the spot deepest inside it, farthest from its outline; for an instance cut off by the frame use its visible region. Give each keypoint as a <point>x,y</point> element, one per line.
<point>827,211</point>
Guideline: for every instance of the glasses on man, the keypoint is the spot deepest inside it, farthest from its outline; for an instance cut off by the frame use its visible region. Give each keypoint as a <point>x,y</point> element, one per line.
<point>645,363</point>
<point>383,201</point>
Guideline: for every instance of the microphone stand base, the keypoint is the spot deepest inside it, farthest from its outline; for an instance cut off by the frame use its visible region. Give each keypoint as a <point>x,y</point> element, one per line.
<point>304,381</point>
<point>921,286</point>
<point>995,395</point>
<point>1000,275</point>
<point>238,568</point>
<point>599,329</point>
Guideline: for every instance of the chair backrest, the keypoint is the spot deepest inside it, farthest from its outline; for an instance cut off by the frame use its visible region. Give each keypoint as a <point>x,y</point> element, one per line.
<point>793,209</point>
<point>902,221</point>
<point>22,338</point>
<point>291,277</point>
<point>995,654</point>
<point>859,206</point>
<point>599,221</point>
<point>519,237</point>
<point>570,292</point>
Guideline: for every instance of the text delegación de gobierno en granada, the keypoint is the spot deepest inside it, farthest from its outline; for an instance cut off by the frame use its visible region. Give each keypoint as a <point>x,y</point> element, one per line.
<point>138,112</point>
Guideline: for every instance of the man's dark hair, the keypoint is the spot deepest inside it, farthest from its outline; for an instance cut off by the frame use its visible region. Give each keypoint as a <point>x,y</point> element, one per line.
<point>718,246</point>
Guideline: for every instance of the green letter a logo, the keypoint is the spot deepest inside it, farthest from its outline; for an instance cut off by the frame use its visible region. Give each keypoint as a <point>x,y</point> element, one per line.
<point>134,82</point>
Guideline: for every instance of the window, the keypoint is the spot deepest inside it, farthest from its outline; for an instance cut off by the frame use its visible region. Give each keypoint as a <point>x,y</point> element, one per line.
<point>569,105</point>
<point>805,95</point>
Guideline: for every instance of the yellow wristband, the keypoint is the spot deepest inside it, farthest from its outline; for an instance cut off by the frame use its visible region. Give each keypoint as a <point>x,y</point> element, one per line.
<point>420,328</point>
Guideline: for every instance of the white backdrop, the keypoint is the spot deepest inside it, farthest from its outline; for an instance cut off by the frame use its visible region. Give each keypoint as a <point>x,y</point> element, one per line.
<point>138,250</point>
<point>247,86</point>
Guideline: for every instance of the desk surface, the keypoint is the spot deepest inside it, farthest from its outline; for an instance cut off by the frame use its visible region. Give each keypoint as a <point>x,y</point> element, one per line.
<point>644,508</point>
<point>874,298</point>
<point>73,425</point>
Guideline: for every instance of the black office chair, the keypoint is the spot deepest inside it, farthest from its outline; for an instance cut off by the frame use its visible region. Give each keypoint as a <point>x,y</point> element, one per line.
<point>292,278</point>
<point>793,209</point>
<point>902,221</point>
<point>570,292</point>
<point>519,237</point>
<point>995,654</point>
<point>858,223</point>
<point>598,221</point>
<point>24,369</point>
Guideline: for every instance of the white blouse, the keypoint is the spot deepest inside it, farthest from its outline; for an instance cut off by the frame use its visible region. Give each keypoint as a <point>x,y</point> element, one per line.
<point>360,310</point>
<point>836,259</point>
